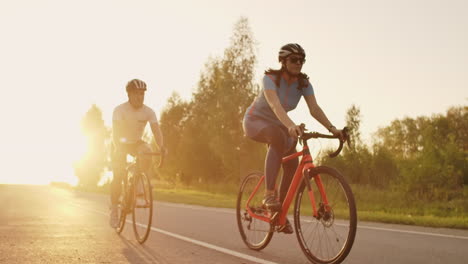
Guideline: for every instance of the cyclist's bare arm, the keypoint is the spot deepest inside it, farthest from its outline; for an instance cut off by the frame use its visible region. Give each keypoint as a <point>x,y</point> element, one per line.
<point>317,113</point>
<point>158,137</point>
<point>275,105</point>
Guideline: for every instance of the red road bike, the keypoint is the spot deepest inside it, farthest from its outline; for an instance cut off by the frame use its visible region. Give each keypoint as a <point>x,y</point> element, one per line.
<point>325,215</point>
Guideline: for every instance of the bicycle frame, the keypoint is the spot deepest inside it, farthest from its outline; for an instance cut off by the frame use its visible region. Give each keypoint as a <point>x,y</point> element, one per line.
<point>136,162</point>
<point>305,164</point>
<point>136,166</point>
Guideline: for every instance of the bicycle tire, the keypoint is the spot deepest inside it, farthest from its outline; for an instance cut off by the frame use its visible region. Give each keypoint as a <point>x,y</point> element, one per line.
<point>143,199</point>
<point>122,210</point>
<point>248,233</point>
<point>332,242</point>
<point>122,220</point>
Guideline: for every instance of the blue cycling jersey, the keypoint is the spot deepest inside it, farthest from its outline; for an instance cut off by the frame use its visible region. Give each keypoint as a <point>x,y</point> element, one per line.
<point>259,114</point>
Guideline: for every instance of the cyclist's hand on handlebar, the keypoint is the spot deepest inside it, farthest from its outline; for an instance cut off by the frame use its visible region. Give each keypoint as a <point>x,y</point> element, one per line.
<point>338,133</point>
<point>296,131</point>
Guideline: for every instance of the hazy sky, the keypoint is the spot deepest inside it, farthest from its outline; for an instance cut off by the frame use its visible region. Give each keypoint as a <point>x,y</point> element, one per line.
<point>57,57</point>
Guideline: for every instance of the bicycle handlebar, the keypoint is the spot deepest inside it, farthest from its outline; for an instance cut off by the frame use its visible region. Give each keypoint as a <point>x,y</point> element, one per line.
<point>345,131</point>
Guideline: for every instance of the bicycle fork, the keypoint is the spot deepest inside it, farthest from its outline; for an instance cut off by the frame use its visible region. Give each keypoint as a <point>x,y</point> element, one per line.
<point>318,181</point>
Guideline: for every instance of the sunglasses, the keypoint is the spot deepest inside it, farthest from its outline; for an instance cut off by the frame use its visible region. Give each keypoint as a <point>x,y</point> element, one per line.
<point>297,60</point>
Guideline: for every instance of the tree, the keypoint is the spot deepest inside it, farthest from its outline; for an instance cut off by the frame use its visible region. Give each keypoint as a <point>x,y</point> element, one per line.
<point>91,166</point>
<point>356,155</point>
<point>423,157</point>
<point>353,122</point>
<point>212,133</point>
<point>430,153</point>
<point>358,162</point>
<point>224,92</point>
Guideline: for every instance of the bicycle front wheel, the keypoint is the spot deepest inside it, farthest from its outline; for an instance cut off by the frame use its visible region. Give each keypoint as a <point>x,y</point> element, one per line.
<point>122,209</point>
<point>142,207</point>
<point>255,233</point>
<point>328,236</point>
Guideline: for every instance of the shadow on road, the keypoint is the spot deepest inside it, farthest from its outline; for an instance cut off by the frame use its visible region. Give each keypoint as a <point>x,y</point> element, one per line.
<point>136,253</point>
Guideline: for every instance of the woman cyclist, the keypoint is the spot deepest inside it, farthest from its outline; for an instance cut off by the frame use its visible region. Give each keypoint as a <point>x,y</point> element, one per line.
<point>266,120</point>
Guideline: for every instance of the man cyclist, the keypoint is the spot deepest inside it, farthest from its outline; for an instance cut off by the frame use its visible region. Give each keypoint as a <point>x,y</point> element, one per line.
<point>128,123</point>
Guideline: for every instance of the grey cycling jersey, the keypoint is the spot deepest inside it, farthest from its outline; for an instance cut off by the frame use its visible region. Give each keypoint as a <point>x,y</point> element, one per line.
<point>259,114</point>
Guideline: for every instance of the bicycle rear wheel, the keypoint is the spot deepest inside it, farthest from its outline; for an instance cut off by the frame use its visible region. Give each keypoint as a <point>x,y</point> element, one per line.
<point>142,207</point>
<point>329,236</point>
<point>122,220</point>
<point>255,233</point>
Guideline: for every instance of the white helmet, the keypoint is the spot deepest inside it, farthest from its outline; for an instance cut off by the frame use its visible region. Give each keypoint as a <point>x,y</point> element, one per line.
<point>288,49</point>
<point>136,84</point>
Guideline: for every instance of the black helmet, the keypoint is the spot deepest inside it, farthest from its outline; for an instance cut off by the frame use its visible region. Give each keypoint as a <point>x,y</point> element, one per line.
<point>136,84</point>
<point>288,49</point>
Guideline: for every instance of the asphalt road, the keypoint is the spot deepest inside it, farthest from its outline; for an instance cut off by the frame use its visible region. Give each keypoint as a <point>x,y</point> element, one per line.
<point>41,224</point>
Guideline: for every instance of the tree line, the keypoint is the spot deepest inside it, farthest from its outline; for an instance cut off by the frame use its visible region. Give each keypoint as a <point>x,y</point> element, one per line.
<point>425,157</point>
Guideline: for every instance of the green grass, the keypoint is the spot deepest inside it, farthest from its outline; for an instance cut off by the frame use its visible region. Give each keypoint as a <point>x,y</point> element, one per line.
<point>420,220</point>
<point>195,197</point>
<point>395,207</point>
<point>373,205</point>
<point>376,207</point>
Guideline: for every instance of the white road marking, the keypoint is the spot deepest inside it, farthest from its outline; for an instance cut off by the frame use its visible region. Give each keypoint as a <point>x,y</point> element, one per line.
<point>412,232</point>
<point>251,258</point>
<point>193,241</point>
<point>226,210</point>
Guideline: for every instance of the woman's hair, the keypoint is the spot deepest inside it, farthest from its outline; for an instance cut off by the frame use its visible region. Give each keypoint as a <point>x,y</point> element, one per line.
<point>302,78</point>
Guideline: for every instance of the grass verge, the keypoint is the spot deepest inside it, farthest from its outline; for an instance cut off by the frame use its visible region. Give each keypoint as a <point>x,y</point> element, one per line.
<point>373,205</point>
<point>197,197</point>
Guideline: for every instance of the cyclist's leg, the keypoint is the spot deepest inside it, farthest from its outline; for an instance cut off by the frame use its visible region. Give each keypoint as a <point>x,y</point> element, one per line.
<point>288,173</point>
<point>277,140</point>
<point>144,160</point>
<point>289,168</point>
<point>118,169</point>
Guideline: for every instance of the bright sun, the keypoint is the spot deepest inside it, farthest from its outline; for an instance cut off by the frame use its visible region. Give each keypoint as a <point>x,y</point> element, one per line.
<point>44,159</point>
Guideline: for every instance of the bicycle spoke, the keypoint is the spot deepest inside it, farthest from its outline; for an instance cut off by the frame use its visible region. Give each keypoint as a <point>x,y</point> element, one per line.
<point>142,207</point>
<point>255,233</point>
<point>326,238</point>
